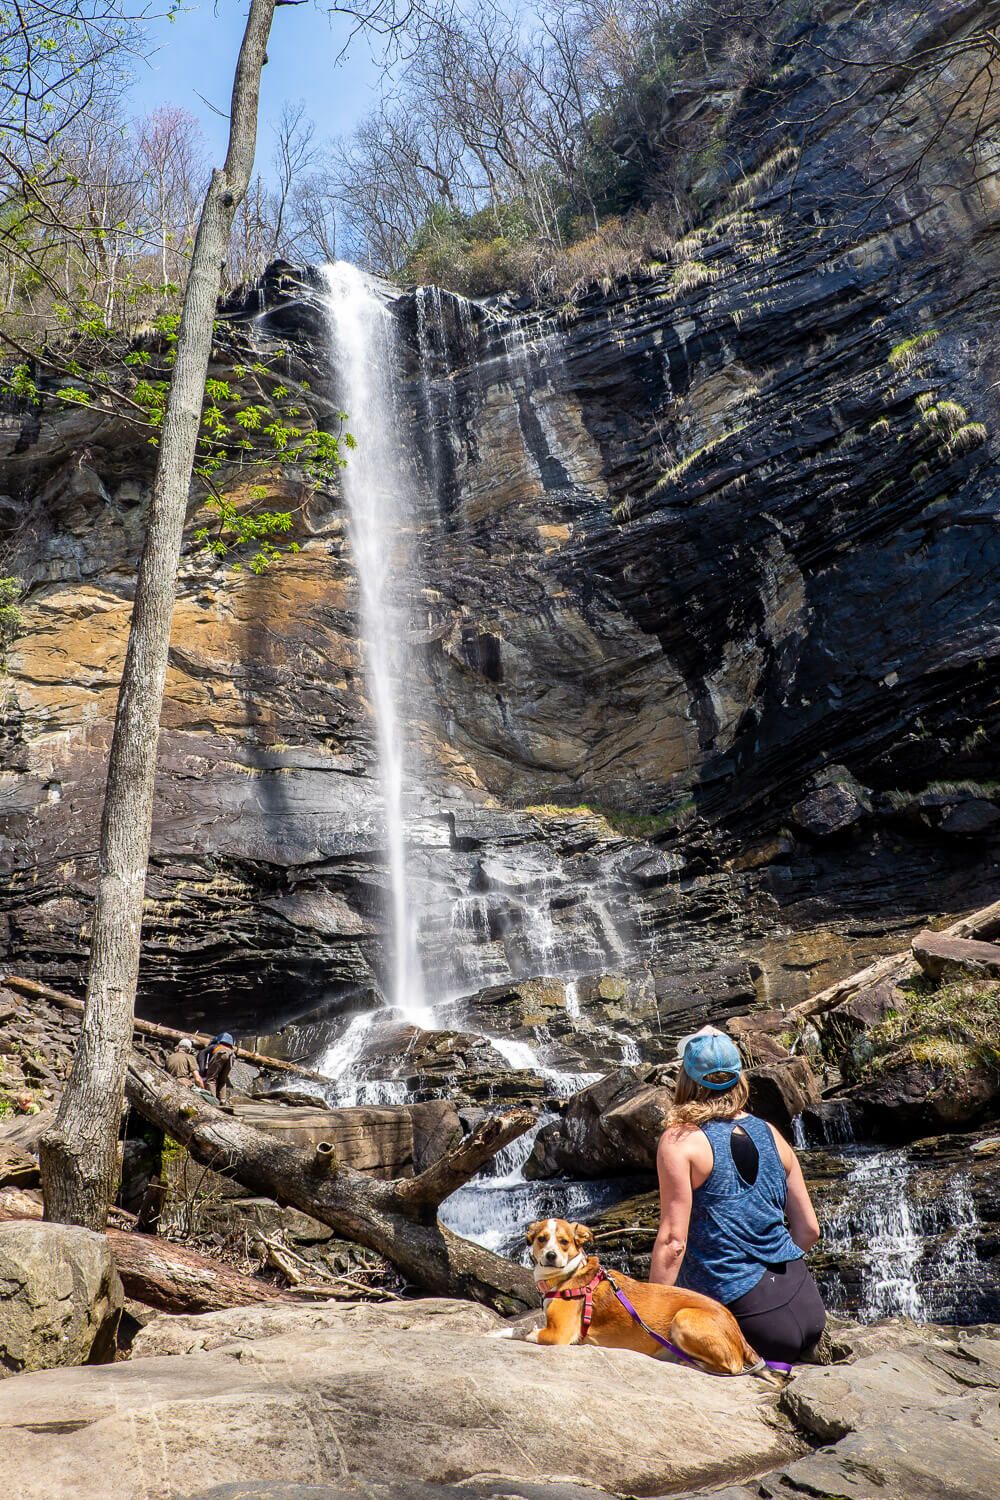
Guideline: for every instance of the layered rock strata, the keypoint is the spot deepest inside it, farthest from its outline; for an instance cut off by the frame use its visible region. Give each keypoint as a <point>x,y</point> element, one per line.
<point>706,558</point>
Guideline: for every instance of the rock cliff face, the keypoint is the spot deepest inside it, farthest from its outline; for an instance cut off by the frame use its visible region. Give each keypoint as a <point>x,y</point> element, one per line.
<point>705,624</point>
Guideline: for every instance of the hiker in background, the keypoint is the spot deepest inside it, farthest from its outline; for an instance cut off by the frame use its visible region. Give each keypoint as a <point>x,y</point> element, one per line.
<point>182,1065</point>
<point>216,1063</point>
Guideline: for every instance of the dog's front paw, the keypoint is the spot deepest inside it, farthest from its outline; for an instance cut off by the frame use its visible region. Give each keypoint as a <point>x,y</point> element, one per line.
<point>501,1333</point>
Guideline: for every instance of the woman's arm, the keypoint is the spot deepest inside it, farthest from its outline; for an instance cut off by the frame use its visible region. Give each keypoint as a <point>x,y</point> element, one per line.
<point>803,1225</point>
<point>673,1168</point>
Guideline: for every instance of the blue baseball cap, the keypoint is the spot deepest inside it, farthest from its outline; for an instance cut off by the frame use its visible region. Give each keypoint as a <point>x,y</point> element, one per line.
<point>711,1058</point>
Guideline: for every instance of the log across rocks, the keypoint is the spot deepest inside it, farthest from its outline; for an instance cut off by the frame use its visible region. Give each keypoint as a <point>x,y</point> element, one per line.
<point>157,1272</point>
<point>982,924</point>
<point>398,1217</point>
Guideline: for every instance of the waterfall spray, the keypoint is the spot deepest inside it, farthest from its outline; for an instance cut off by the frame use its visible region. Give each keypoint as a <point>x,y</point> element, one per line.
<point>375,488</point>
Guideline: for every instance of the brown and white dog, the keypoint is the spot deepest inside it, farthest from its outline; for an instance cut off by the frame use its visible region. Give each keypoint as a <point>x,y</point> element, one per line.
<point>699,1326</point>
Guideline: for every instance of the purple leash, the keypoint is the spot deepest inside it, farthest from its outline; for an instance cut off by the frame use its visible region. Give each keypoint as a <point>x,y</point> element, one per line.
<point>769,1364</point>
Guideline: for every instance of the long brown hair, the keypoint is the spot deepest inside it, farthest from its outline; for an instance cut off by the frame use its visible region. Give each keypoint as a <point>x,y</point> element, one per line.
<point>694,1104</point>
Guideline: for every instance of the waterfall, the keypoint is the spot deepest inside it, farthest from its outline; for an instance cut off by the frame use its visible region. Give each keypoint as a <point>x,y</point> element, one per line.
<point>879,1222</point>
<point>362,338</point>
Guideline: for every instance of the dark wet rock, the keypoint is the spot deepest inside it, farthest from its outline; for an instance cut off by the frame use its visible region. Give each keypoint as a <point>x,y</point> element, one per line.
<point>972,818</point>
<point>837,802</point>
<point>931,1082</point>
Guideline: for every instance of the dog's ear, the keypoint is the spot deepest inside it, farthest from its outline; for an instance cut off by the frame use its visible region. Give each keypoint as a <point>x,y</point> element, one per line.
<point>529,1233</point>
<point>582,1234</point>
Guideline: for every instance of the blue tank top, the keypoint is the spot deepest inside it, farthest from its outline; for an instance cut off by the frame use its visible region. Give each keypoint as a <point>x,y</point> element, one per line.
<point>736,1230</point>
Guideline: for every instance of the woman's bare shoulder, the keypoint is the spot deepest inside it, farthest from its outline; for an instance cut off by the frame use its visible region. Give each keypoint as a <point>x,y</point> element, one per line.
<point>678,1134</point>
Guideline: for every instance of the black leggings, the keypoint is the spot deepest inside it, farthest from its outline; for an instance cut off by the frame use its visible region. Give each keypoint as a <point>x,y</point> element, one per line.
<point>783,1315</point>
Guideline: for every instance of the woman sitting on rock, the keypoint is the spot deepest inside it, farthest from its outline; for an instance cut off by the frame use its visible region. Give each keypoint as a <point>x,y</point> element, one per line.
<point>735,1213</point>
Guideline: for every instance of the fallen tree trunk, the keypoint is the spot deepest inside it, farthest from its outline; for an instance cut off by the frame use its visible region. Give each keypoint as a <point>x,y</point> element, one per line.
<point>398,1218</point>
<point>984,923</point>
<point>160,1274</point>
<point>33,989</point>
<point>176,1279</point>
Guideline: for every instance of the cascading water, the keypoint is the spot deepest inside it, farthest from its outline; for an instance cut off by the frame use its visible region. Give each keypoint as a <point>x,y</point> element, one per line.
<point>879,1215</point>
<point>494,1207</point>
<point>362,337</point>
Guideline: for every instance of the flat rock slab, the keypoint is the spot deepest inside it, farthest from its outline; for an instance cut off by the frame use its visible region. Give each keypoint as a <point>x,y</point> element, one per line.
<point>330,1406</point>
<point>383,1140</point>
<point>941,956</point>
<point>203,1332</point>
<point>361,1489</point>
<point>920,1421</point>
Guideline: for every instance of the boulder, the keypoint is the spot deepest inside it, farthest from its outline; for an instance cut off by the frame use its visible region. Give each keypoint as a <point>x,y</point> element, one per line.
<point>781,1090</point>
<point>60,1297</point>
<point>928,1083</point>
<point>612,1127</point>
<point>949,957</point>
<point>375,1401</point>
<point>764,1036</point>
<point>833,805</point>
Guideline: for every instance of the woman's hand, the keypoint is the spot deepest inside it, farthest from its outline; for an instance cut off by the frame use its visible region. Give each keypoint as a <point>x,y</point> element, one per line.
<point>673,1167</point>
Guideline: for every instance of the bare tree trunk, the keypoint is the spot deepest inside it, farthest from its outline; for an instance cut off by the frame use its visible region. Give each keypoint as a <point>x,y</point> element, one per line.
<point>397,1218</point>
<point>79,1155</point>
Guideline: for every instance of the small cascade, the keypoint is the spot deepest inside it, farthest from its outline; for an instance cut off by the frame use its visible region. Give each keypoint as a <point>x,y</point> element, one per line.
<point>524,1058</point>
<point>877,1222</point>
<point>339,1061</point>
<point>836,1123</point>
<point>631,1055</point>
<point>953,1276</point>
<point>799,1138</point>
<point>572,999</point>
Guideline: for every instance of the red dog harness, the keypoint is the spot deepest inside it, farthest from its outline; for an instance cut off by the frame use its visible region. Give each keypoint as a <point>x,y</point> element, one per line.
<point>573,1293</point>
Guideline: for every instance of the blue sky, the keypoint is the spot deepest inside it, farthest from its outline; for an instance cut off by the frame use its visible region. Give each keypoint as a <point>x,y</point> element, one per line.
<point>196,53</point>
